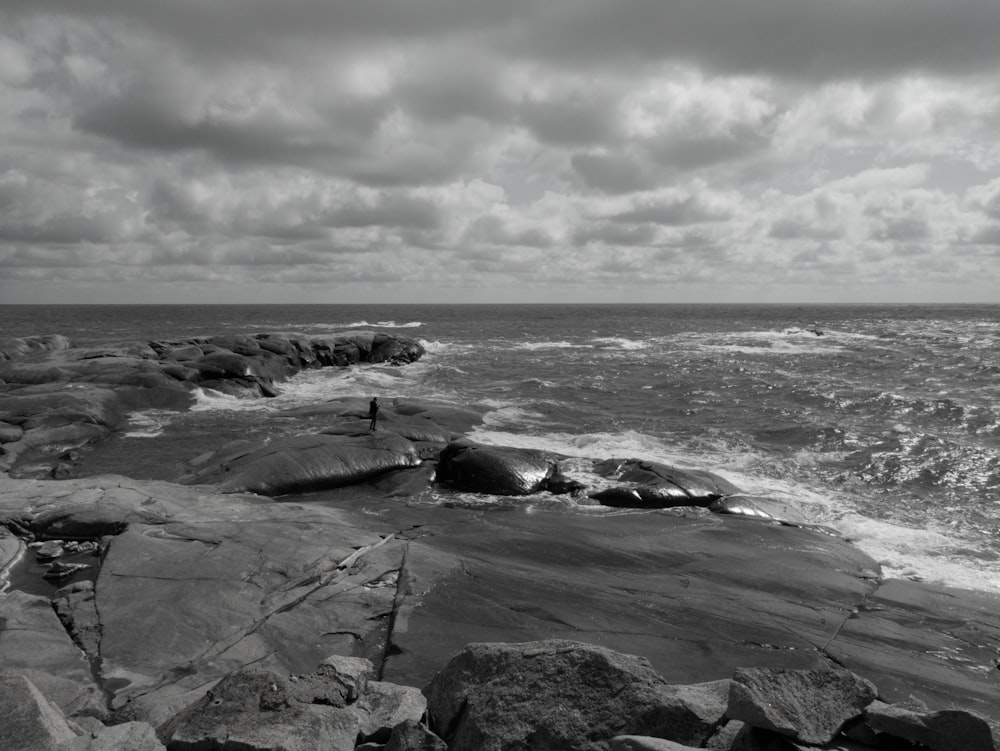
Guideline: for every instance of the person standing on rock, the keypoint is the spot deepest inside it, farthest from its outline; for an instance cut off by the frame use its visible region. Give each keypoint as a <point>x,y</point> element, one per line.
<point>373,412</point>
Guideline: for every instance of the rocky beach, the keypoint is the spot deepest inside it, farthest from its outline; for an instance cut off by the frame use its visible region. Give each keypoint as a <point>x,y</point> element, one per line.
<point>232,607</point>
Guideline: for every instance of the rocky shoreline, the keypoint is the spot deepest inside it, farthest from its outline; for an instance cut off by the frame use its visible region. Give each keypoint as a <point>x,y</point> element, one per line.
<point>206,592</point>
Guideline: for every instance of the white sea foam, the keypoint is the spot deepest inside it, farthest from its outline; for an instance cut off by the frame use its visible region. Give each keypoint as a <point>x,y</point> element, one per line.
<point>148,423</point>
<point>616,342</point>
<point>362,324</point>
<point>532,346</point>
<point>920,554</point>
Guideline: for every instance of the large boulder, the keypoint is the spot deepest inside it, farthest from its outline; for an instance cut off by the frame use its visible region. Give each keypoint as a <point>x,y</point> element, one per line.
<point>810,706</point>
<point>942,730</point>
<point>556,695</point>
<point>306,463</point>
<point>496,470</point>
<point>256,710</point>
<point>654,485</point>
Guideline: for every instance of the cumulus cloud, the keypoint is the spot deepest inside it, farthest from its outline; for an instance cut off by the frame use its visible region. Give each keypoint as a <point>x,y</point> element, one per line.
<point>463,145</point>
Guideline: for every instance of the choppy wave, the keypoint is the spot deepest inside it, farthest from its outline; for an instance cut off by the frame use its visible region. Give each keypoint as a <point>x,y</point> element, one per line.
<point>365,324</point>
<point>148,423</point>
<point>618,342</point>
<point>533,346</point>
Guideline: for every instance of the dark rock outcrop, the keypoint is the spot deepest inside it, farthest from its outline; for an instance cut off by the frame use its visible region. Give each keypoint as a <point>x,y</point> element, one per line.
<point>655,485</point>
<point>498,470</point>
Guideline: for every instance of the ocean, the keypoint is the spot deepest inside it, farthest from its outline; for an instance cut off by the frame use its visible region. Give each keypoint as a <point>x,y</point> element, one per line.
<point>881,422</point>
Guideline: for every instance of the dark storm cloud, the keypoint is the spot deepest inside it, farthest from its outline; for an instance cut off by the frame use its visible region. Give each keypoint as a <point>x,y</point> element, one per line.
<point>795,38</point>
<point>250,28</point>
<point>141,121</point>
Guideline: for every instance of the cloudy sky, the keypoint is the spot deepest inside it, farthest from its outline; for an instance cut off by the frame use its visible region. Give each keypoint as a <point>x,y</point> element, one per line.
<point>499,150</point>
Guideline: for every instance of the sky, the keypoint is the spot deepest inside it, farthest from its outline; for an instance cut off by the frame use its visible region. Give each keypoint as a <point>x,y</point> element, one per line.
<point>456,151</point>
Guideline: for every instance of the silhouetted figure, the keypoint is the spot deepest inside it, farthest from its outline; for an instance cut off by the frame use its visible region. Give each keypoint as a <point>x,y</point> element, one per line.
<point>373,412</point>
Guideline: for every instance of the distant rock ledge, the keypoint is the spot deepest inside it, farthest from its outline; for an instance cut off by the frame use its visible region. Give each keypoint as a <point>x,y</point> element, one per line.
<point>53,394</point>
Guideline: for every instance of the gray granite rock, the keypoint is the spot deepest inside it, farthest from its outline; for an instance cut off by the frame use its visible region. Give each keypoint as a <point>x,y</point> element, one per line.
<point>30,722</point>
<point>941,730</point>
<point>554,694</point>
<point>806,705</point>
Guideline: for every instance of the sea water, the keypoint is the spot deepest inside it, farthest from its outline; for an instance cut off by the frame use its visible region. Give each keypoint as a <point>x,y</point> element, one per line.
<point>882,422</point>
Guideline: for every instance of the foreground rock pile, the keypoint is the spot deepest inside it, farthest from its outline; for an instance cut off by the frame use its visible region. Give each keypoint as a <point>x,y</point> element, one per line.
<point>547,696</point>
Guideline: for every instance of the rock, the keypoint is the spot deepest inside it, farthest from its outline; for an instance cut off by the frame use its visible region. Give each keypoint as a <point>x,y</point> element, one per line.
<point>410,735</point>
<point>60,570</point>
<point>129,736</point>
<point>284,585</point>
<point>10,433</point>
<point>307,463</point>
<point>338,681</point>
<point>645,743</point>
<point>554,694</point>
<point>806,705</point>
<point>494,469</point>
<point>723,739</point>
<point>384,706</point>
<point>758,507</point>
<point>253,710</point>
<point>49,550</point>
<point>30,721</point>
<point>655,485</point>
<point>943,730</point>
<point>34,643</point>
<point>60,396</point>
<point>76,607</point>
<point>905,636</point>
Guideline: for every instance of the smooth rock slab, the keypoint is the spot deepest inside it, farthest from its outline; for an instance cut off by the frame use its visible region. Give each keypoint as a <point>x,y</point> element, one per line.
<point>806,705</point>
<point>307,463</point>
<point>34,643</point>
